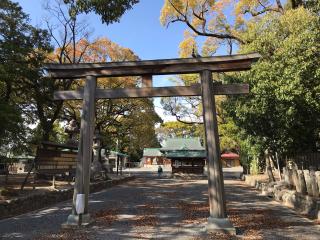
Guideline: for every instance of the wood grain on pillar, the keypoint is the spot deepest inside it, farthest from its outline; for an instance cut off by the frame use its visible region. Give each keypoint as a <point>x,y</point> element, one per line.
<point>215,175</point>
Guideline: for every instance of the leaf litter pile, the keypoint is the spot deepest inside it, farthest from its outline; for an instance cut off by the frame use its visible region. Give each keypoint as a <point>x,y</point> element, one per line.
<point>193,213</point>
<point>250,223</point>
<point>147,216</point>
<point>107,216</point>
<point>103,217</point>
<point>65,235</point>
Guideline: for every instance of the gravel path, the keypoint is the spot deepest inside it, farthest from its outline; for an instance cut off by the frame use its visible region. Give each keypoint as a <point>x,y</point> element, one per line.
<point>152,208</point>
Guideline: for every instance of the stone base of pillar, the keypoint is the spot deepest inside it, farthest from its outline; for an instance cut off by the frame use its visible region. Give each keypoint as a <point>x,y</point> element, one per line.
<point>220,225</point>
<point>76,221</point>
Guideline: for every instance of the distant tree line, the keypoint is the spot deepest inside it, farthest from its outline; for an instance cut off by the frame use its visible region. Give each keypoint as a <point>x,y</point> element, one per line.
<point>28,114</point>
<point>281,115</point>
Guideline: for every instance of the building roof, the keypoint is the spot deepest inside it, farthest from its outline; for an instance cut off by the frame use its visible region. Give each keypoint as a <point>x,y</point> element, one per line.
<point>230,155</point>
<point>178,148</point>
<point>152,152</point>
<point>172,144</point>
<point>186,154</point>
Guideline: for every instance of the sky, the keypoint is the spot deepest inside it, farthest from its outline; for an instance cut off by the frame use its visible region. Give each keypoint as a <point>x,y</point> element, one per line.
<point>139,29</point>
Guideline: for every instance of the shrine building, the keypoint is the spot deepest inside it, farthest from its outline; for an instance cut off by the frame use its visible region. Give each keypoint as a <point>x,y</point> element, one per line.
<point>186,155</point>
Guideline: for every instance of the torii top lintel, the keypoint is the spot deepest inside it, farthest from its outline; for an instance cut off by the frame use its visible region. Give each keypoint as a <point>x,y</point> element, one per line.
<point>153,67</point>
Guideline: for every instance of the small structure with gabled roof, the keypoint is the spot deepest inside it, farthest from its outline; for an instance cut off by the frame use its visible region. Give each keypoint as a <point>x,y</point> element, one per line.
<point>116,158</point>
<point>187,154</point>
<point>230,159</point>
<point>153,156</point>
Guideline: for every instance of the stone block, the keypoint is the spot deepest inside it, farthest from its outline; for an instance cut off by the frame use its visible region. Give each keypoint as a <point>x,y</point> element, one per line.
<point>291,182</point>
<point>317,174</point>
<point>314,184</point>
<point>289,198</point>
<point>220,225</point>
<point>286,175</point>
<point>306,174</point>
<point>301,203</point>
<point>302,183</point>
<point>264,189</point>
<point>76,221</point>
<point>272,184</point>
<point>295,178</point>
<point>281,185</point>
<point>318,210</point>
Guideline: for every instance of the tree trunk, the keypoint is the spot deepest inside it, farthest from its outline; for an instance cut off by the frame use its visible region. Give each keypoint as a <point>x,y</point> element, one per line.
<point>7,175</point>
<point>278,166</point>
<point>269,169</point>
<point>295,3</point>
<point>46,130</point>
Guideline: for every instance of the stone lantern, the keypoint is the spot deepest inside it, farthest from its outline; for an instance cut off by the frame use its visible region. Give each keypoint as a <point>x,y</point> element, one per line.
<point>72,130</point>
<point>96,167</point>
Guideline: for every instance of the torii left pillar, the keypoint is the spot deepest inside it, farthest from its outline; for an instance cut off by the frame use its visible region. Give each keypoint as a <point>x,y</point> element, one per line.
<point>84,158</point>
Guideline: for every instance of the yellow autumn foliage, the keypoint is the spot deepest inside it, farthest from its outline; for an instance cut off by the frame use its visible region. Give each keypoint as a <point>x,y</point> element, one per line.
<point>187,45</point>
<point>219,17</point>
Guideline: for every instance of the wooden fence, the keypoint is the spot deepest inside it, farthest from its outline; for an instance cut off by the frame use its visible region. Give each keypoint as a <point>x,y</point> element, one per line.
<point>304,160</point>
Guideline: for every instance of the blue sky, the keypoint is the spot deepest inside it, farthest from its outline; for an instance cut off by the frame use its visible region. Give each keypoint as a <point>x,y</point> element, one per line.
<point>139,29</point>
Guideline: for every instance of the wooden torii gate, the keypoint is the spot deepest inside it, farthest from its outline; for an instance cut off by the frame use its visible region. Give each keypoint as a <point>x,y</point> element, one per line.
<point>207,89</point>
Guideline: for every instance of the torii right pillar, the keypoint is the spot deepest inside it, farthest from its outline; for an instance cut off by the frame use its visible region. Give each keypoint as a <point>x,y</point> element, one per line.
<point>218,220</point>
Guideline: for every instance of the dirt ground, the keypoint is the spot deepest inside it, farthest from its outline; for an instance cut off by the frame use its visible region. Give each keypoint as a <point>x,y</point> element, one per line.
<point>165,208</point>
<point>11,188</point>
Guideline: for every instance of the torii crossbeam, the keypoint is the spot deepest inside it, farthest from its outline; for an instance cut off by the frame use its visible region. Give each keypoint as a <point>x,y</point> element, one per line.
<point>207,89</point>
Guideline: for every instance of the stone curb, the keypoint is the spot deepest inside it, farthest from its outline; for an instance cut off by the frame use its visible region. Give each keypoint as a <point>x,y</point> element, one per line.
<point>30,203</point>
<point>280,192</point>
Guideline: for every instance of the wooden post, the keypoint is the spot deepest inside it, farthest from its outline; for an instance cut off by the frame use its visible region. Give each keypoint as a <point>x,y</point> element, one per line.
<point>88,117</point>
<point>34,180</point>
<point>54,181</point>
<point>72,219</point>
<point>117,162</point>
<point>82,183</point>
<point>147,81</point>
<point>121,164</point>
<point>218,217</point>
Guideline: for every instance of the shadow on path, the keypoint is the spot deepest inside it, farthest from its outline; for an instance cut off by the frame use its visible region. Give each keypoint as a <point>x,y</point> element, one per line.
<point>152,208</point>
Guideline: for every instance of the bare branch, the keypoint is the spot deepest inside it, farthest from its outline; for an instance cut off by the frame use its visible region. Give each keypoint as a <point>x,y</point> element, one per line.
<point>265,9</point>
<point>280,7</point>
<point>184,19</point>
